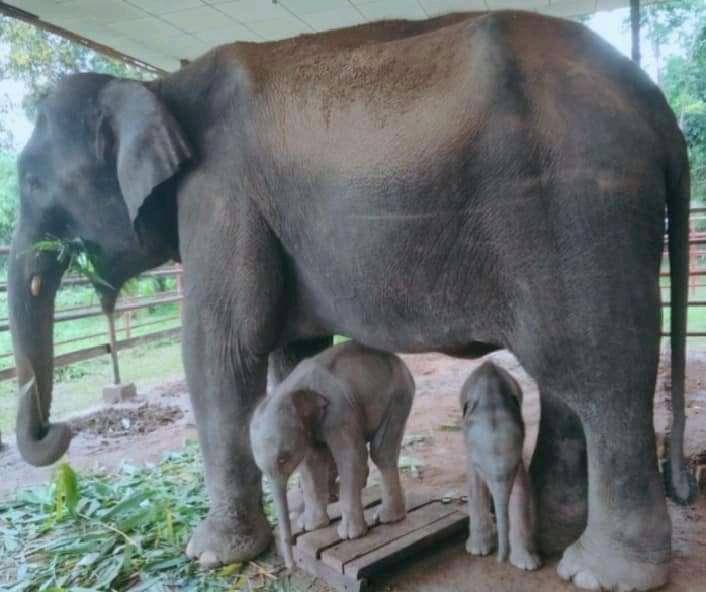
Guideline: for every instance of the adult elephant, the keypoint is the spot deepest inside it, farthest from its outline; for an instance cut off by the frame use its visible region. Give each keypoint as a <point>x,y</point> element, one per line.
<point>460,185</point>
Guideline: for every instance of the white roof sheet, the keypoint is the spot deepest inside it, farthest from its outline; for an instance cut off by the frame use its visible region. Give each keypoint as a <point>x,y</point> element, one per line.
<point>162,32</point>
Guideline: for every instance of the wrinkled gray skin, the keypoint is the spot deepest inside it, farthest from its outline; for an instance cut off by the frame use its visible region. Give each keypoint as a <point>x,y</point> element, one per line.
<point>494,434</point>
<point>340,400</point>
<point>460,184</point>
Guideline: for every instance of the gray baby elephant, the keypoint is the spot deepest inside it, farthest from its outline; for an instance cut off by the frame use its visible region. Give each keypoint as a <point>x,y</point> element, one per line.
<point>337,401</point>
<point>494,434</point>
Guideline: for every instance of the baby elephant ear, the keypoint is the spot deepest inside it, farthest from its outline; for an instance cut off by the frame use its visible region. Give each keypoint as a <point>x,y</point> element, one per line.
<point>146,142</point>
<point>310,405</point>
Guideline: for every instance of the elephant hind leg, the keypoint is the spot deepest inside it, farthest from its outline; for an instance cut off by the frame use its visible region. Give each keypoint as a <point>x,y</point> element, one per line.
<point>626,542</point>
<point>523,549</point>
<point>385,452</point>
<point>559,476</point>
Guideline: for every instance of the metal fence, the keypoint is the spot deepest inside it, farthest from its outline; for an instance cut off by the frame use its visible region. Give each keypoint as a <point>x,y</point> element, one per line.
<point>127,305</point>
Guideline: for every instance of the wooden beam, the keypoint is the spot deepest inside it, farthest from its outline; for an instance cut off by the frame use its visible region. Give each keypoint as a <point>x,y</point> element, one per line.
<point>33,19</point>
<point>101,350</point>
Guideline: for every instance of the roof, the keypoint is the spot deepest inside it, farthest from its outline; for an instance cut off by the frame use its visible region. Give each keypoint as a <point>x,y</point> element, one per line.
<point>160,33</point>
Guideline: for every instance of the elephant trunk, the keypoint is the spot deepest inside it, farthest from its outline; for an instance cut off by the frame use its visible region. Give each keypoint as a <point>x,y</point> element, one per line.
<point>33,279</point>
<point>279,492</point>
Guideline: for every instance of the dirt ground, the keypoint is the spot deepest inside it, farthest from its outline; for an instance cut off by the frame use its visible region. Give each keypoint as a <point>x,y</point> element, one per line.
<point>161,420</point>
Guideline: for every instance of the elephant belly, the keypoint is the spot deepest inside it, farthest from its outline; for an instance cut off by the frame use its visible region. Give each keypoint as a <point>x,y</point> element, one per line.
<point>409,287</point>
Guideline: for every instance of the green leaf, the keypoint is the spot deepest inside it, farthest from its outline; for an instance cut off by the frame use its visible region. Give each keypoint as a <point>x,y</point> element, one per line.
<point>129,503</point>
<point>66,490</point>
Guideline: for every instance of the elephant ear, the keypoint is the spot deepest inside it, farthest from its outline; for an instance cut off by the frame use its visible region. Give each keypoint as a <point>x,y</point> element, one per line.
<point>469,406</point>
<point>310,405</point>
<point>147,143</point>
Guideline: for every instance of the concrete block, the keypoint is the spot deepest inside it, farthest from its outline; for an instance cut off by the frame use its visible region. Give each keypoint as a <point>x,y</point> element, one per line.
<point>119,393</point>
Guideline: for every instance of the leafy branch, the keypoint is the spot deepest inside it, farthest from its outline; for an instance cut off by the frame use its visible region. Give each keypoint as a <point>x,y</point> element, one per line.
<point>75,255</point>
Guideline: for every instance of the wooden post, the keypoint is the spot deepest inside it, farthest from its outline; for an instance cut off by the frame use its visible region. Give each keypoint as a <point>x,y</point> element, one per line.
<point>113,347</point>
<point>635,28</point>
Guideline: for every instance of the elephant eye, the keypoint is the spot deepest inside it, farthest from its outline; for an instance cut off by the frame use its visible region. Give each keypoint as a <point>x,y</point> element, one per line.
<point>282,460</point>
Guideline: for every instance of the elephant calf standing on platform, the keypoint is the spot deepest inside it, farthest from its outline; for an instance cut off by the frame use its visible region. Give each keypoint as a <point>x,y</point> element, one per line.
<point>341,399</point>
<point>494,433</point>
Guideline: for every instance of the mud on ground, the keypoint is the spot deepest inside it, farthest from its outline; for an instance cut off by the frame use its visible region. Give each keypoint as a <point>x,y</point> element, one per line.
<point>161,420</point>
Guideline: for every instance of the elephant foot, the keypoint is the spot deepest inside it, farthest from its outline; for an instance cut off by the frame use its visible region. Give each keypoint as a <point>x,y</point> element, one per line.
<point>313,520</point>
<point>221,539</point>
<point>350,528</point>
<point>606,569</point>
<point>391,512</point>
<point>523,558</point>
<point>481,542</point>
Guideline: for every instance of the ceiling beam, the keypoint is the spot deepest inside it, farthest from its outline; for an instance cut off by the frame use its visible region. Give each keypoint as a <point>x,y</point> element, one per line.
<point>33,19</point>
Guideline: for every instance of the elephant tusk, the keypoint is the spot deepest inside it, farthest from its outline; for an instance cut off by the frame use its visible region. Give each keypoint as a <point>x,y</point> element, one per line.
<point>35,285</point>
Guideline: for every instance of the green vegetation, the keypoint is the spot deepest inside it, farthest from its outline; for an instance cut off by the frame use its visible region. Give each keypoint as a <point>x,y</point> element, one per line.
<point>39,59</point>
<point>683,77</point>
<point>117,532</point>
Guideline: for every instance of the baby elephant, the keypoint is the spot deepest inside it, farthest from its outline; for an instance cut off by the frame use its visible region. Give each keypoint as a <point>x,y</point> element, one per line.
<point>339,400</point>
<point>494,433</point>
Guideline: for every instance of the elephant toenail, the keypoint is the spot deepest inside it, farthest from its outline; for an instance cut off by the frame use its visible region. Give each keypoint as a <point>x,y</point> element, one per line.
<point>209,559</point>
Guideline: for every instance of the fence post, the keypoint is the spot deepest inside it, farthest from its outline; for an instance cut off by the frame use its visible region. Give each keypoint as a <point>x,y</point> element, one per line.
<point>113,347</point>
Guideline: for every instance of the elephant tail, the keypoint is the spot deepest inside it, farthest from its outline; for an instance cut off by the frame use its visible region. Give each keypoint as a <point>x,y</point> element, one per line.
<point>679,482</point>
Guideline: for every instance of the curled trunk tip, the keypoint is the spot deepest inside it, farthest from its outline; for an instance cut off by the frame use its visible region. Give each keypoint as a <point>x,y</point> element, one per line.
<point>39,442</point>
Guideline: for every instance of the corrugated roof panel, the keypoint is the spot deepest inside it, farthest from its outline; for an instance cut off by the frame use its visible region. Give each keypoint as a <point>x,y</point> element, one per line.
<point>162,32</point>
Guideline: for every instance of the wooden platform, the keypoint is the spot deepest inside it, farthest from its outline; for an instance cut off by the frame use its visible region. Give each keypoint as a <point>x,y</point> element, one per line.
<point>347,565</point>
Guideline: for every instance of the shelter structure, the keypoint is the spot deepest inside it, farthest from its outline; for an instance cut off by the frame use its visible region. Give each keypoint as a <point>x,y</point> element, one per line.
<point>162,34</point>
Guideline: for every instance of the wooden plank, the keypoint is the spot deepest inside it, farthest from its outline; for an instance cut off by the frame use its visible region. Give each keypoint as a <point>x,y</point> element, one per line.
<point>79,280</point>
<point>100,350</point>
<point>370,496</point>
<point>95,311</point>
<point>313,543</point>
<point>409,544</point>
<point>335,579</point>
<point>346,551</point>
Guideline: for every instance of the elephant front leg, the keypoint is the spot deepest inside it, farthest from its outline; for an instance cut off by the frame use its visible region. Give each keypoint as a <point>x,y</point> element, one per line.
<point>351,455</point>
<point>284,359</point>
<point>314,475</point>
<point>225,383</point>
<point>559,477</point>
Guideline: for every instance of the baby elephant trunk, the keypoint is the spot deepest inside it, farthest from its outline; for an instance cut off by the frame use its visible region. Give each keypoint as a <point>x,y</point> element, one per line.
<point>285,530</point>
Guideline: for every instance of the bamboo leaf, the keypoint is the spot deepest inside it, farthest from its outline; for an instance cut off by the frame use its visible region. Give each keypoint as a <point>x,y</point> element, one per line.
<point>65,490</point>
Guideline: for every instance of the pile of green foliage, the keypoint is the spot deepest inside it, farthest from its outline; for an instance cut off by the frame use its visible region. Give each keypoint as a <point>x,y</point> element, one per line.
<point>125,531</point>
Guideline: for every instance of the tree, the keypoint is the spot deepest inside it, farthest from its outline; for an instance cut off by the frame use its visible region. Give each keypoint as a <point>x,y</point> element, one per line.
<point>682,77</point>
<point>39,59</point>
<point>8,196</point>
